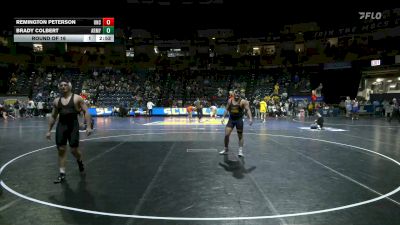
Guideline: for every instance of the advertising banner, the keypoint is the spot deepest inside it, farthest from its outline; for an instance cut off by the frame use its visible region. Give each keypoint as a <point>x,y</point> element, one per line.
<point>157,111</point>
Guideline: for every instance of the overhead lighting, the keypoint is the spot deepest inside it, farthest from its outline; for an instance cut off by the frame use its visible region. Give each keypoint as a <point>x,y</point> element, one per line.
<point>213,38</point>
<point>398,78</point>
<point>392,86</point>
<point>156,49</point>
<point>256,48</point>
<point>37,47</point>
<point>389,81</point>
<point>379,80</point>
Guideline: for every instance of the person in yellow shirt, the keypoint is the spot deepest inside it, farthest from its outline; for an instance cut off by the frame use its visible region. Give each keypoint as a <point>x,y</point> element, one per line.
<point>276,89</point>
<point>310,109</point>
<point>263,110</point>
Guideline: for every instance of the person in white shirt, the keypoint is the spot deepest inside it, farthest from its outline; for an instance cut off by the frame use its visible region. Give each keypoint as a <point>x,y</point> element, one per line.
<point>318,90</point>
<point>150,108</point>
<point>30,107</point>
<point>40,108</point>
<point>3,112</point>
<point>349,106</point>
<point>213,111</point>
<point>395,110</point>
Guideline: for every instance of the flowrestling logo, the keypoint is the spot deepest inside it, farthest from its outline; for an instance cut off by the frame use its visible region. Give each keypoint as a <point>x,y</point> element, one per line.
<point>370,15</point>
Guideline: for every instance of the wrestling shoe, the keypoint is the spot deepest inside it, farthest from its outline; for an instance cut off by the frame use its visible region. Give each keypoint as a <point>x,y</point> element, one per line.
<point>60,178</point>
<point>240,153</point>
<point>80,165</point>
<point>224,152</point>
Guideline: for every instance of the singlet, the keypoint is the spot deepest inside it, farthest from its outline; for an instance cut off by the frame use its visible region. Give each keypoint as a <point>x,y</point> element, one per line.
<point>68,113</point>
<point>235,111</point>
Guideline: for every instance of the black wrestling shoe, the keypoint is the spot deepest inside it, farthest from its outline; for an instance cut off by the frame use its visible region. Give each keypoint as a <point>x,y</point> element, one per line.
<point>60,178</point>
<point>81,167</point>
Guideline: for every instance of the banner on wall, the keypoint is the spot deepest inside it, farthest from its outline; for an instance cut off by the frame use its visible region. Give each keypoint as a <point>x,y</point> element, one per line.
<point>109,112</point>
<point>337,65</point>
<point>302,98</point>
<point>158,111</point>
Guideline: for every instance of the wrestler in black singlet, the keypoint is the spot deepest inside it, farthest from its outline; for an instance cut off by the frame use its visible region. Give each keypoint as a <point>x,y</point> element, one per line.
<point>68,124</point>
<point>235,116</point>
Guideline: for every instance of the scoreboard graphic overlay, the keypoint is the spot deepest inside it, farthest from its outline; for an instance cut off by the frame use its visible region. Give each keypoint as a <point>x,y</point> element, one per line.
<point>64,30</point>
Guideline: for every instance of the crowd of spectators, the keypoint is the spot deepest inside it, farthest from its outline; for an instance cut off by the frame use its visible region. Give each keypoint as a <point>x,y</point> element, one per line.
<point>109,87</point>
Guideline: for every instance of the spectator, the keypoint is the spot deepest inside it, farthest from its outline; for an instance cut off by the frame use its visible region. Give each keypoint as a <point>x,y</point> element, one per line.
<point>30,107</point>
<point>348,105</point>
<point>40,108</point>
<point>396,110</point>
<point>318,90</point>
<point>150,108</point>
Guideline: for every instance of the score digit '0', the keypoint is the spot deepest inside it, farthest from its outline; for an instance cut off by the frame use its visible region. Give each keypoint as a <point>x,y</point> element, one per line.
<point>108,21</point>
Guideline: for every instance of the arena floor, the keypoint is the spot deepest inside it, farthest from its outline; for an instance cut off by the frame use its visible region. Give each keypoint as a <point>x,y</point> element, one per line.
<point>167,171</point>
